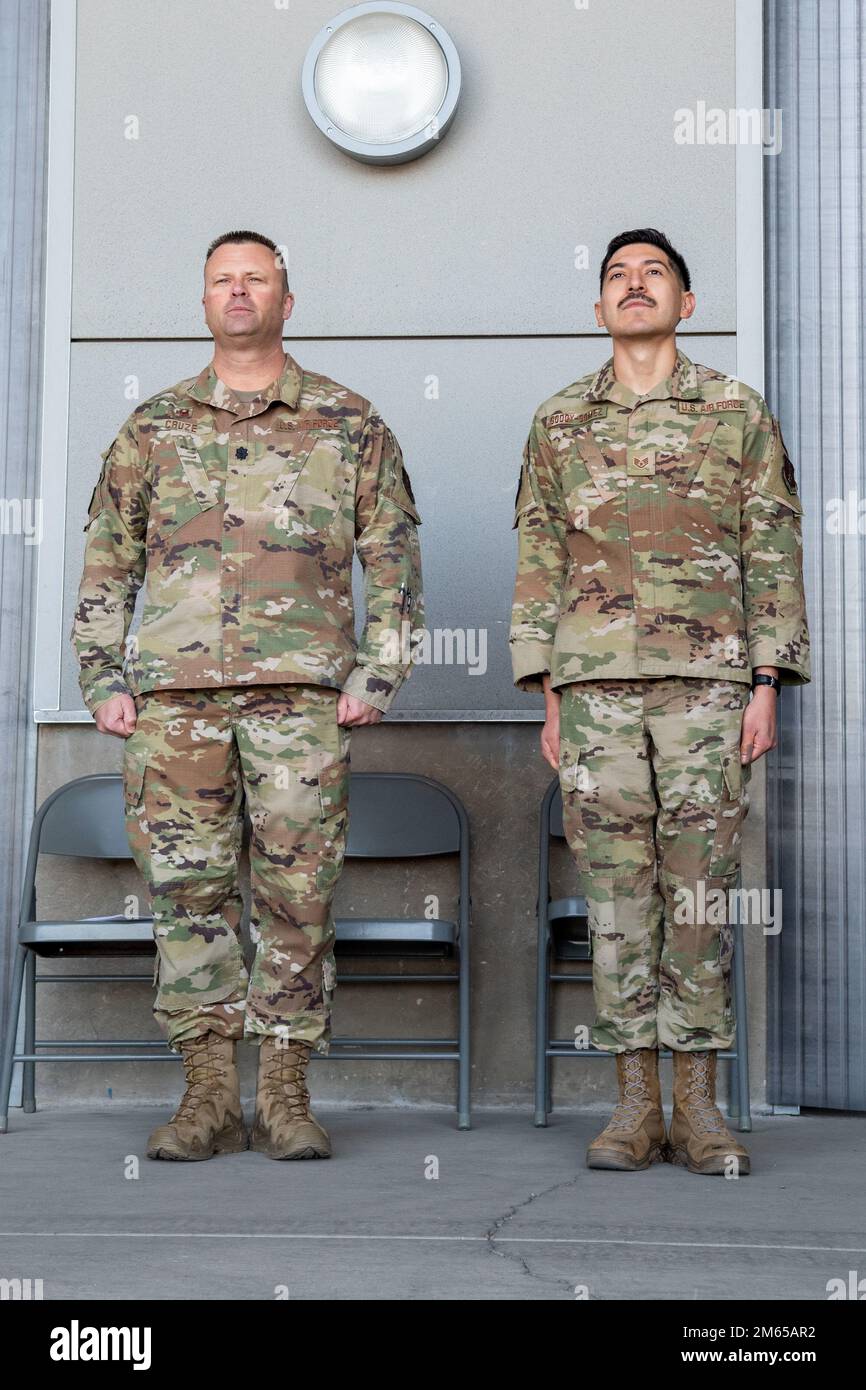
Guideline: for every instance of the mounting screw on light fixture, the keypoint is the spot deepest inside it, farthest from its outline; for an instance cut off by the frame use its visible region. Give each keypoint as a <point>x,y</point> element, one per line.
<point>382,82</point>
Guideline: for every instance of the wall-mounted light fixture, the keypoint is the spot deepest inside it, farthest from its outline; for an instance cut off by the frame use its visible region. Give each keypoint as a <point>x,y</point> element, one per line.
<point>382,82</point>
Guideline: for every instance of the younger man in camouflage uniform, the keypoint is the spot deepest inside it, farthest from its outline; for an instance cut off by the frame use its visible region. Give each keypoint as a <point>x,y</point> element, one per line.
<point>240,496</point>
<point>659,577</point>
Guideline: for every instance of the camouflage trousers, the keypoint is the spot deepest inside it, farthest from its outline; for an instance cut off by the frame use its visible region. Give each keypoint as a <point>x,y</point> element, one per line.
<point>192,762</point>
<point>654,797</point>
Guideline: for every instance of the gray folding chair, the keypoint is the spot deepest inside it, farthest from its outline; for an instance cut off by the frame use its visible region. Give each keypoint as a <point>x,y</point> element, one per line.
<point>563,934</point>
<point>84,818</point>
<point>396,815</point>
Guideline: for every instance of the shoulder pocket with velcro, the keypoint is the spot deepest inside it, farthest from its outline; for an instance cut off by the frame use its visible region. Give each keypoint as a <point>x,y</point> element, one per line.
<point>401,493</point>
<point>525,496</point>
<point>98,495</point>
<point>777,479</point>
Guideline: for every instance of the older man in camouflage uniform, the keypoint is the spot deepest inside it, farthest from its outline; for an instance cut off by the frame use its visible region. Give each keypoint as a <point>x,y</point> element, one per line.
<point>659,577</point>
<point>239,496</point>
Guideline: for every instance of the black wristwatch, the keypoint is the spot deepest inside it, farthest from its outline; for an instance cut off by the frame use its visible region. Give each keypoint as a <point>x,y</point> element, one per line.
<point>764,679</point>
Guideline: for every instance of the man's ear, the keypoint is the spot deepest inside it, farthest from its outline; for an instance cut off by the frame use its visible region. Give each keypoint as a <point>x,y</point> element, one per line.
<point>598,318</point>
<point>687,305</point>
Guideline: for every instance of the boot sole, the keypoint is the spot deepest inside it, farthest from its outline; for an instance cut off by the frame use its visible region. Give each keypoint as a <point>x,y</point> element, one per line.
<point>711,1167</point>
<point>616,1162</point>
<point>220,1146</point>
<point>307,1152</point>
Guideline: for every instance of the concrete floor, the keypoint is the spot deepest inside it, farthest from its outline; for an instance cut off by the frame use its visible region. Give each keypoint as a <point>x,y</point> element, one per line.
<point>513,1214</point>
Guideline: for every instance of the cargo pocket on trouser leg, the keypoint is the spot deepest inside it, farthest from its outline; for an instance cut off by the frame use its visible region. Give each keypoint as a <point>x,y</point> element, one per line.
<point>334,829</point>
<point>134,771</point>
<point>333,785</point>
<point>135,812</point>
<point>329,976</point>
<point>573,780</point>
<point>134,768</point>
<point>731,810</point>
<point>726,957</point>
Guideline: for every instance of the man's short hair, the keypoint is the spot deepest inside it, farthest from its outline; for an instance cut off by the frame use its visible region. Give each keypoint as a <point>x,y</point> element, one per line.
<point>235,238</point>
<point>652,238</point>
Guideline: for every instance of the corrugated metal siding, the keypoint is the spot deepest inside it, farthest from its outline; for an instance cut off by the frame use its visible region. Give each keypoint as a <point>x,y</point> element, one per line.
<point>23,128</point>
<point>816,382</point>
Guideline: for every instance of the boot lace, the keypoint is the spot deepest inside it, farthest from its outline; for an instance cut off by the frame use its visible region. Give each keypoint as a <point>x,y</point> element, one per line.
<point>283,1072</point>
<point>627,1112</point>
<point>203,1072</point>
<point>708,1117</point>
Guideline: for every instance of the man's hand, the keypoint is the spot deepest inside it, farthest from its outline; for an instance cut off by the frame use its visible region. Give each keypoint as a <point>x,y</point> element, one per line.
<point>758,734</point>
<point>116,716</point>
<point>550,732</point>
<point>351,710</point>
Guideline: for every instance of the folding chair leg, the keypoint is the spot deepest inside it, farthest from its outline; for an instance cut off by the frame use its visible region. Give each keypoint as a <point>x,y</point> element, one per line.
<point>21,955</point>
<point>734,1089</point>
<point>542,1026</point>
<point>740,1090</point>
<point>464,1072</point>
<point>28,1087</point>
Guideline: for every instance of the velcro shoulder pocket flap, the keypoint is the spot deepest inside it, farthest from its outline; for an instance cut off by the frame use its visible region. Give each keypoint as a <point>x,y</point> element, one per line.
<point>401,494</point>
<point>777,480</point>
<point>97,496</point>
<point>525,497</point>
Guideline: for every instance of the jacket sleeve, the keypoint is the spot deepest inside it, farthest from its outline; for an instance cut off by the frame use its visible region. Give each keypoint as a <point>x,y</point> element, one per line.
<point>114,567</point>
<point>771,548</point>
<point>387,544</point>
<point>542,562</point>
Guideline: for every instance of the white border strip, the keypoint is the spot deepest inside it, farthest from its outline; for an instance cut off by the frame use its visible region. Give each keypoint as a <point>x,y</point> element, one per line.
<point>749,196</point>
<point>490,1239</point>
<point>49,638</point>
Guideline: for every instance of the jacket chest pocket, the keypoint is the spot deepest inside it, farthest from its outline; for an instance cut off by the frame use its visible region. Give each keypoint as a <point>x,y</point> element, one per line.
<point>183,488</point>
<point>590,477</point>
<point>308,493</point>
<point>592,484</point>
<point>705,469</point>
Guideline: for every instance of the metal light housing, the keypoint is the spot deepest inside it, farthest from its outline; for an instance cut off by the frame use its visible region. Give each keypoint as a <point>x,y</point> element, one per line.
<point>382,82</point>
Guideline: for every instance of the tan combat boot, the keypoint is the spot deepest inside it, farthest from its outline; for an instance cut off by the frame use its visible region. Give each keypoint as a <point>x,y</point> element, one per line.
<point>209,1119</point>
<point>635,1135</point>
<point>699,1140</point>
<point>284,1127</point>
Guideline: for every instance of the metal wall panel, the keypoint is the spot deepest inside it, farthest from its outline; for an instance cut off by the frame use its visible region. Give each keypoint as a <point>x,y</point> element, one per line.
<point>816,383</point>
<point>448,290</point>
<point>189,120</point>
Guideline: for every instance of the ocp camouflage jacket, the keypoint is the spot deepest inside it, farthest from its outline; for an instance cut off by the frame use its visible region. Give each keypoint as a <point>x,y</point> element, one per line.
<point>242,517</point>
<point>658,535</point>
